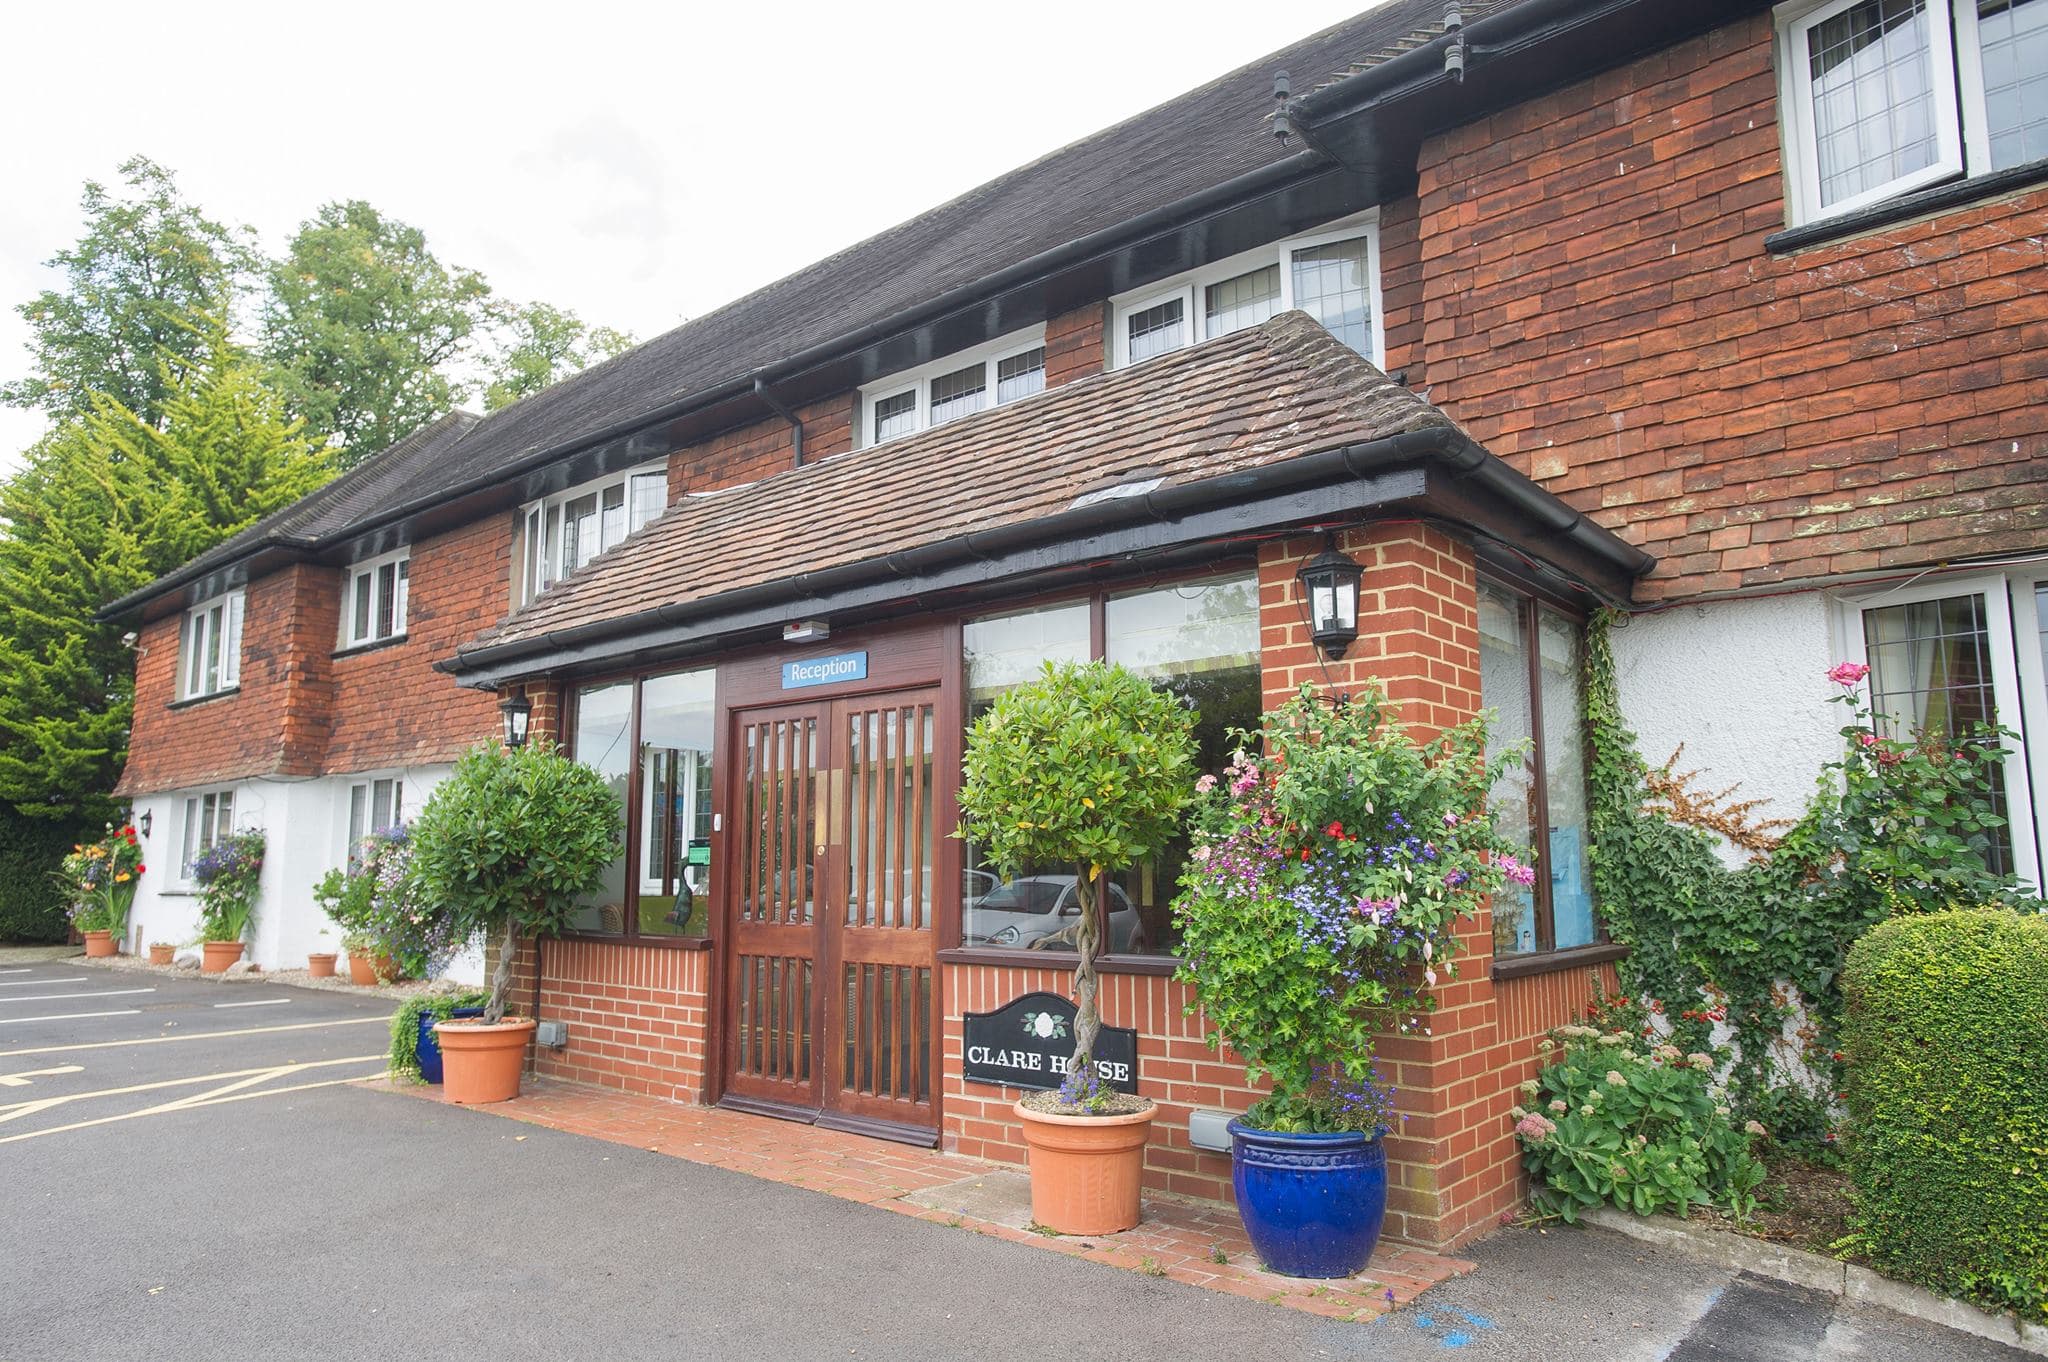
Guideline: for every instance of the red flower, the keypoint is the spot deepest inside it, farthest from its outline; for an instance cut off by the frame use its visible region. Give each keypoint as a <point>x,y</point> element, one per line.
<point>140,868</point>
<point>1334,830</point>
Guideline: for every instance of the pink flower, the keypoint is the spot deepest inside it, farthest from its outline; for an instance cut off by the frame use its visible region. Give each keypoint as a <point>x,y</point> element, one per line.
<point>1450,820</point>
<point>1516,871</point>
<point>1535,1129</point>
<point>1867,739</point>
<point>1847,674</point>
<point>1205,784</point>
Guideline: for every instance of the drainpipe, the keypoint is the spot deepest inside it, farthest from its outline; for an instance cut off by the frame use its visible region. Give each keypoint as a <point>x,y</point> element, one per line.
<point>781,408</point>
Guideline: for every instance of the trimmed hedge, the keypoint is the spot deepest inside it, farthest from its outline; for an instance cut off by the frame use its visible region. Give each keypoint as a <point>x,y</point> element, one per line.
<point>1947,1041</point>
<point>31,850</point>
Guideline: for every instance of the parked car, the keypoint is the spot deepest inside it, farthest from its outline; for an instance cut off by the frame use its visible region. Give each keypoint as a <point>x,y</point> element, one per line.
<point>1043,912</point>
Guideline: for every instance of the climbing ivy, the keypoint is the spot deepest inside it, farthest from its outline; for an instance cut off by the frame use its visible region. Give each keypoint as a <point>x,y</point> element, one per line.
<point>1894,826</point>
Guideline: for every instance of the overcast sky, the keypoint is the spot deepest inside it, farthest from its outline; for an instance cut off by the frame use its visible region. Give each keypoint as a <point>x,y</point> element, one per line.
<point>638,164</point>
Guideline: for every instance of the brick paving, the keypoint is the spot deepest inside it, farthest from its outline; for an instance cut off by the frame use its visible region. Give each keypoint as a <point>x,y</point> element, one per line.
<point>1196,1242</point>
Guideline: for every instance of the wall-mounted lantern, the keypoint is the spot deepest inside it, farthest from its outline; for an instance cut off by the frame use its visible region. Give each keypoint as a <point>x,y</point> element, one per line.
<point>518,712</point>
<point>1330,582</point>
<point>144,822</point>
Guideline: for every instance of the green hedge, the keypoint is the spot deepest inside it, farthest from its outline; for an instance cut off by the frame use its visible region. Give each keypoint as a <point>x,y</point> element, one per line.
<point>31,903</point>
<point>1947,1042</point>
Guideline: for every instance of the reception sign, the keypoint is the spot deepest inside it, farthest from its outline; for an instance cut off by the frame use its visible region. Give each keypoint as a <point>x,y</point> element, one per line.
<point>1029,1043</point>
<point>824,671</point>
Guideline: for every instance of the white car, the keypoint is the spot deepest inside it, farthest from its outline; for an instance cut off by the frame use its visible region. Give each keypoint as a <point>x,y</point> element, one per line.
<point>1042,912</point>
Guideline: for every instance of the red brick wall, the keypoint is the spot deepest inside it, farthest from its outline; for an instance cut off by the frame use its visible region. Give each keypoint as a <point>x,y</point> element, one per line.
<point>1598,308</point>
<point>390,707</point>
<point>761,449</point>
<point>267,725</point>
<point>1073,344</point>
<point>636,1015</point>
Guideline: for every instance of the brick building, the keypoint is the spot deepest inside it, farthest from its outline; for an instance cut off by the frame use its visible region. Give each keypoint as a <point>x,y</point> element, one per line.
<point>1728,316</point>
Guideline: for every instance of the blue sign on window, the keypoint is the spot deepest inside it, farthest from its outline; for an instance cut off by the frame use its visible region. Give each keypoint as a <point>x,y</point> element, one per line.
<point>825,671</point>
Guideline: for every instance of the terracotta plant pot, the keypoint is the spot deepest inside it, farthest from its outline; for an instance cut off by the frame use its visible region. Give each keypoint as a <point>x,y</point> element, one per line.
<point>216,956</point>
<point>160,954</point>
<point>481,1061</point>
<point>368,969</point>
<point>1085,1170</point>
<point>99,944</point>
<point>320,964</point>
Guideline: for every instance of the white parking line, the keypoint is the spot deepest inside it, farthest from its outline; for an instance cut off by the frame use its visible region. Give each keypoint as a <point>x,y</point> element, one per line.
<point>257,1002</point>
<point>31,983</point>
<point>73,997</point>
<point>192,1035</point>
<point>69,1016</point>
<point>21,1079</point>
<point>190,1104</point>
<point>23,970</point>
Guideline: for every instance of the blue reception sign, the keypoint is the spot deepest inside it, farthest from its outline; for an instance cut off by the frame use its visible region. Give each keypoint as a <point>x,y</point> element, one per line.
<point>825,671</point>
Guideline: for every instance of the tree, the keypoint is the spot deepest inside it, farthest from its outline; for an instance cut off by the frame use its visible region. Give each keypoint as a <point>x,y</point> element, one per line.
<point>363,326</point>
<point>539,345</point>
<point>148,265</point>
<point>107,503</point>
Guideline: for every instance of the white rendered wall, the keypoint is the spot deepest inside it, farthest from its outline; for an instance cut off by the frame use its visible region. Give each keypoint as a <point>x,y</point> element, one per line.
<point>1742,684</point>
<point>161,912</point>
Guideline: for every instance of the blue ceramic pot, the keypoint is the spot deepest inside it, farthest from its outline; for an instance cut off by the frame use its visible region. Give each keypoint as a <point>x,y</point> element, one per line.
<point>1312,1204</point>
<point>430,1045</point>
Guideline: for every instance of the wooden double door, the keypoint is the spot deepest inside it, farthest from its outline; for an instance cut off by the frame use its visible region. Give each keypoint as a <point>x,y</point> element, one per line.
<point>830,995</point>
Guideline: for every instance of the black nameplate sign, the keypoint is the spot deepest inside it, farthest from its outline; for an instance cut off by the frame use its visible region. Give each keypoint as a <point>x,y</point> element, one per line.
<point>1029,1043</point>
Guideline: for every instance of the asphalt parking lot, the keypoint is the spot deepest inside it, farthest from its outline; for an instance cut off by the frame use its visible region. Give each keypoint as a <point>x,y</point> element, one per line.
<point>192,1170</point>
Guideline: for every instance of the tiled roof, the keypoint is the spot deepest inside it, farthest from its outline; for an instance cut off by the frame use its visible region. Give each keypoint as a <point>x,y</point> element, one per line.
<point>1274,392</point>
<point>1189,144</point>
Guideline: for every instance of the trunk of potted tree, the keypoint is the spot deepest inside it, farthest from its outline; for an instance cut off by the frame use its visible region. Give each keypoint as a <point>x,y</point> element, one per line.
<point>482,1057</point>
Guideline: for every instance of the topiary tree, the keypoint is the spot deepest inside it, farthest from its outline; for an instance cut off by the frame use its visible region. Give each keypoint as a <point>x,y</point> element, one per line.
<point>1088,766</point>
<point>507,844</point>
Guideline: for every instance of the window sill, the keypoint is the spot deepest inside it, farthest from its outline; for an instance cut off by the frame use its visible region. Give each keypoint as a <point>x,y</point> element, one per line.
<point>191,701</point>
<point>372,646</point>
<point>1549,962</point>
<point>669,943</point>
<point>1953,194</point>
<point>1030,959</point>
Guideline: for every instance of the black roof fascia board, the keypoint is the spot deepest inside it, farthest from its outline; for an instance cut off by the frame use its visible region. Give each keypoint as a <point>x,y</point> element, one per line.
<point>1440,470</point>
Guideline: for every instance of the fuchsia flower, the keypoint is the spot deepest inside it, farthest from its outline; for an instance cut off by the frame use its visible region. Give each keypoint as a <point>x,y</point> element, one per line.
<point>1516,871</point>
<point>1848,674</point>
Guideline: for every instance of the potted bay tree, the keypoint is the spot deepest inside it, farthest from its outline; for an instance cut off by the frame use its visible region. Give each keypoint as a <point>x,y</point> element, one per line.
<point>504,848</point>
<point>1319,910</point>
<point>1086,768</point>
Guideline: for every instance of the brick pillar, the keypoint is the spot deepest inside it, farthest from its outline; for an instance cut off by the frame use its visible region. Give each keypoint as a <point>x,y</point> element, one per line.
<point>1452,1161</point>
<point>548,710</point>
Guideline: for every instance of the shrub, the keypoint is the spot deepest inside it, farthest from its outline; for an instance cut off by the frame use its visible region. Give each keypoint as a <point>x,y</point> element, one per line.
<point>1320,901</point>
<point>1947,1045</point>
<point>508,843</point>
<point>32,850</point>
<point>1087,766</point>
<point>230,878</point>
<point>405,1026</point>
<point>381,910</point>
<point>1611,1121</point>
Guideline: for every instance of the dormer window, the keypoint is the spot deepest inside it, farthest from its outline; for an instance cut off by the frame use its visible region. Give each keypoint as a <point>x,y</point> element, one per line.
<point>570,528</point>
<point>956,386</point>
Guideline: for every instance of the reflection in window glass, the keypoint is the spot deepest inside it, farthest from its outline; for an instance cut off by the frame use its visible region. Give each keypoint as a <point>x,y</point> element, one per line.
<point>960,393</point>
<point>1504,689</point>
<point>1199,640</point>
<point>675,790</point>
<point>2014,35</point>
<point>1020,375</point>
<point>1156,330</point>
<point>1002,652</point>
<point>1559,641</point>
<point>1333,284</point>
<point>603,733</point>
<point>1874,120</point>
<point>895,415</point>
<point>1244,301</point>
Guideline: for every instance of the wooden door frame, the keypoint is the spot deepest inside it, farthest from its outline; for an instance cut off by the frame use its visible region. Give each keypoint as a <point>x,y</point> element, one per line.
<point>739,690</point>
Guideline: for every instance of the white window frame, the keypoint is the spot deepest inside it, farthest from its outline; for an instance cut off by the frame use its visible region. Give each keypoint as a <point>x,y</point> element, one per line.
<point>197,634</point>
<point>539,564</point>
<point>919,381</point>
<point>363,577</point>
<point>1958,83</point>
<point>2010,687</point>
<point>193,809</point>
<point>690,769</point>
<point>368,784</point>
<point>1189,287</point>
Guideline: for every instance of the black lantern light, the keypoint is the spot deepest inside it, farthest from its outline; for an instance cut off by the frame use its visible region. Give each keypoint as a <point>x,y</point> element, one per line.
<point>1329,581</point>
<point>518,712</point>
<point>144,822</point>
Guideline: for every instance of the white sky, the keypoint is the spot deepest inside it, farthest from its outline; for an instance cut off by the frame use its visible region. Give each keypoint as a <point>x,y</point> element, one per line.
<point>638,164</point>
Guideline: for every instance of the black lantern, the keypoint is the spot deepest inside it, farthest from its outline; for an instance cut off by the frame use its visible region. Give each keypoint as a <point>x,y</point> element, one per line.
<point>518,712</point>
<point>1330,583</point>
<point>144,822</point>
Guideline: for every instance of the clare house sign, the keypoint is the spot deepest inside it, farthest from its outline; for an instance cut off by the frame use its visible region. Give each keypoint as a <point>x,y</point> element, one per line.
<point>825,671</point>
<point>1029,1042</point>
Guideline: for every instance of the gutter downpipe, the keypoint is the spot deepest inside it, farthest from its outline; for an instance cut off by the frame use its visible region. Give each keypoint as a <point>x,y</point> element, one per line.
<point>775,404</point>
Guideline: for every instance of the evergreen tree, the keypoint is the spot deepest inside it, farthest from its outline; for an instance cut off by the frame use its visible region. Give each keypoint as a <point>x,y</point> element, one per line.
<point>363,326</point>
<point>106,503</point>
<point>148,264</point>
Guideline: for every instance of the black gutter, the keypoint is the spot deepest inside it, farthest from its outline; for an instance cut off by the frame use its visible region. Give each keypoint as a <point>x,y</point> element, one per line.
<point>1449,448</point>
<point>781,408</point>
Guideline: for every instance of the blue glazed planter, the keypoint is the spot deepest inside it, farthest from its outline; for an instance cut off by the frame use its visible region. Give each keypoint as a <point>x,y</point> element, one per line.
<point>430,1045</point>
<point>1312,1204</point>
